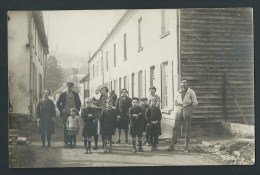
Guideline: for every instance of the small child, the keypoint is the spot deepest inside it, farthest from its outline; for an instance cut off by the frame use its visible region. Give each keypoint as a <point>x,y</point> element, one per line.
<point>89,116</point>
<point>73,126</point>
<point>136,124</point>
<point>153,116</point>
<point>108,124</point>
<point>144,106</point>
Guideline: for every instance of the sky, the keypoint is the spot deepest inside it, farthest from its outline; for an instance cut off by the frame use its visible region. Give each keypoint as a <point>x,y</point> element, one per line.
<point>79,31</point>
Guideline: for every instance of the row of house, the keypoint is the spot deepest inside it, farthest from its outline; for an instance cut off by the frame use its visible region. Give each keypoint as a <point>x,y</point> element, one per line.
<point>27,55</point>
<point>211,48</point>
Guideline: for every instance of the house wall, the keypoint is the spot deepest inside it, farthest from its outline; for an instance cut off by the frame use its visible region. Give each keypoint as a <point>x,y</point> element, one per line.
<point>155,51</point>
<point>214,42</point>
<point>23,42</point>
<point>18,61</point>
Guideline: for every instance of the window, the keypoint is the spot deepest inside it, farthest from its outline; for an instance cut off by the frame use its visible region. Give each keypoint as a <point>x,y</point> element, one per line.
<point>115,87</point>
<point>93,68</point>
<point>140,34</point>
<point>140,84</point>
<point>35,39</point>
<point>38,52</point>
<point>97,68</point>
<point>133,84</point>
<point>126,82</point>
<point>111,85</point>
<point>40,86</point>
<point>119,85</point>
<point>114,54</point>
<point>152,78</point>
<point>34,82</point>
<point>164,24</point>
<point>165,90</point>
<point>125,53</point>
<point>106,61</point>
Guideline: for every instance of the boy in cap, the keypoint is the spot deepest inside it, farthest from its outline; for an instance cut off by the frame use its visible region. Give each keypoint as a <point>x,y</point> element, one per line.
<point>89,116</point>
<point>153,116</point>
<point>144,106</point>
<point>136,124</point>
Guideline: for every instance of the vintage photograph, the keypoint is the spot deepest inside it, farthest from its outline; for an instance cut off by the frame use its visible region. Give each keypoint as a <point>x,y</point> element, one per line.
<point>124,88</point>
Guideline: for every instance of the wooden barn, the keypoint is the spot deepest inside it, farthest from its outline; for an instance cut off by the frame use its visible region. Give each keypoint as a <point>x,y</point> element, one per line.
<point>217,57</point>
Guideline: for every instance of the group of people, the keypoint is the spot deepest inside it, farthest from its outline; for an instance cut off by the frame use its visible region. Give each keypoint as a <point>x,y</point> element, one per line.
<point>104,113</point>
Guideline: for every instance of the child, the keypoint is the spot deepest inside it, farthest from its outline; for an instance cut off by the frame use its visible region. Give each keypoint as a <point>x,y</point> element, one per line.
<point>89,116</point>
<point>153,116</point>
<point>108,124</point>
<point>144,106</point>
<point>73,126</point>
<point>136,123</point>
<point>96,96</point>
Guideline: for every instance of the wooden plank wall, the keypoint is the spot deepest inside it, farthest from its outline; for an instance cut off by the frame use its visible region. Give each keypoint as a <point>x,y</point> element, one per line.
<point>214,42</point>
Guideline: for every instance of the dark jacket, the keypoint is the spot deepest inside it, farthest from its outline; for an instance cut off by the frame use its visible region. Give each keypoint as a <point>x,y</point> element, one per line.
<point>108,122</point>
<point>89,116</point>
<point>153,114</point>
<point>114,98</point>
<point>62,101</point>
<point>45,111</point>
<point>102,101</point>
<point>136,122</point>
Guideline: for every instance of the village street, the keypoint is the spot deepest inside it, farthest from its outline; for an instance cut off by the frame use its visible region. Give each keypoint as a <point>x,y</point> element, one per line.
<point>32,155</point>
<point>58,156</point>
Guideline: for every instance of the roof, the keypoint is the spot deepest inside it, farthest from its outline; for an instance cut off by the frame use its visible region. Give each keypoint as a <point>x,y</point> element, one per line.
<point>39,22</point>
<point>84,78</point>
<point>125,15</point>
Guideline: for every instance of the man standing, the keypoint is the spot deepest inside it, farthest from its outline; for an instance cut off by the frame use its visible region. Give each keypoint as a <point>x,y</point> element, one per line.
<point>67,100</point>
<point>185,101</point>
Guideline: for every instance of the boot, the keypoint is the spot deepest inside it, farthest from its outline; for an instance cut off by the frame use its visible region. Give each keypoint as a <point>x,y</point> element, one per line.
<point>86,146</point>
<point>171,148</point>
<point>140,146</point>
<point>134,147</point>
<point>89,147</point>
<point>105,147</point>
<point>96,143</point>
<point>110,146</point>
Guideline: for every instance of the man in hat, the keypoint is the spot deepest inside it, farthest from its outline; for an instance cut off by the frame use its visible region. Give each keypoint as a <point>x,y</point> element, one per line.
<point>185,101</point>
<point>152,90</point>
<point>67,100</point>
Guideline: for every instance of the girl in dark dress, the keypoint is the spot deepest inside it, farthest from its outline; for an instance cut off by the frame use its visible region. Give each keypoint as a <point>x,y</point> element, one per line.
<point>136,124</point>
<point>107,125</point>
<point>45,112</point>
<point>153,116</point>
<point>122,106</point>
<point>89,116</point>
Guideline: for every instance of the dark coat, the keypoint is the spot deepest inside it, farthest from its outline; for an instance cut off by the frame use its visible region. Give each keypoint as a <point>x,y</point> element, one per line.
<point>136,122</point>
<point>89,116</point>
<point>144,108</point>
<point>45,111</point>
<point>122,107</point>
<point>153,114</point>
<point>102,101</point>
<point>114,98</point>
<point>62,101</point>
<point>108,122</point>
